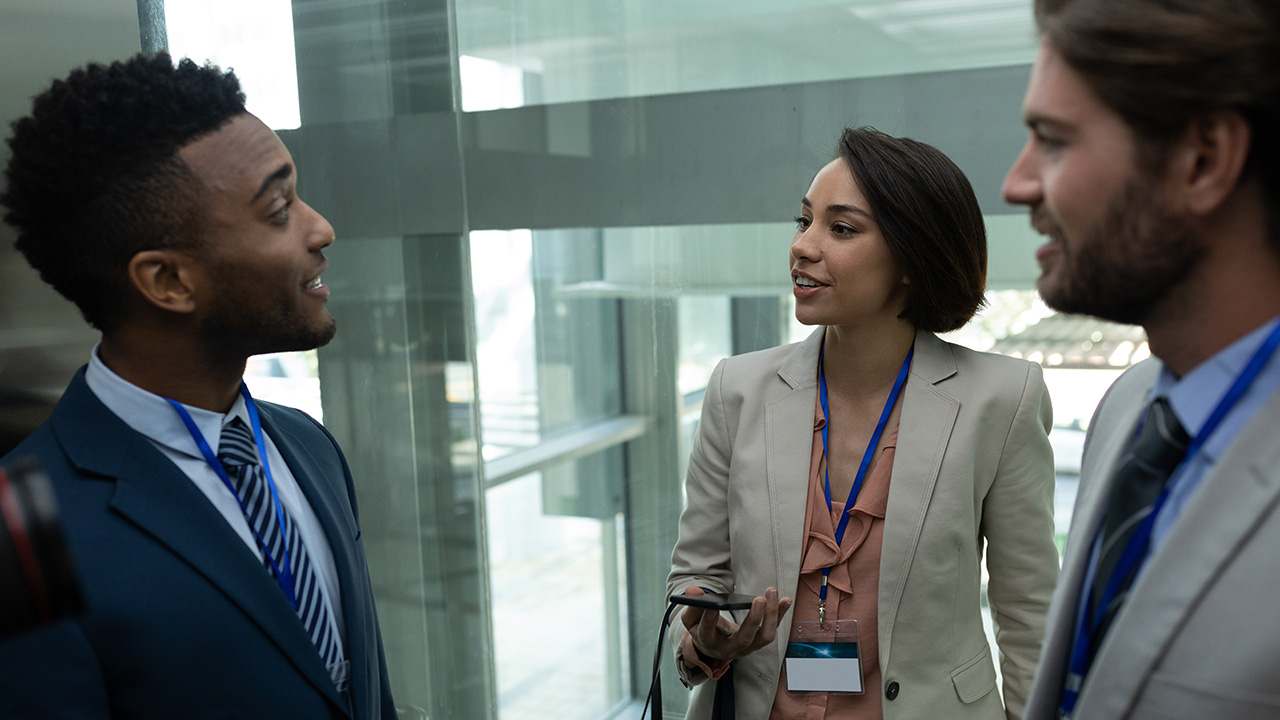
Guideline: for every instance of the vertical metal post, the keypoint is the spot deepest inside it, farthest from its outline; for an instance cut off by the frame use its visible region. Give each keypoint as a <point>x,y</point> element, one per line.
<point>650,344</point>
<point>152,30</point>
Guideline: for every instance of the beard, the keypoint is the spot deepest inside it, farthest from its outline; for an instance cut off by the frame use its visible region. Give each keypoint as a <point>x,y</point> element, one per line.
<point>1126,265</point>
<point>246,321</point>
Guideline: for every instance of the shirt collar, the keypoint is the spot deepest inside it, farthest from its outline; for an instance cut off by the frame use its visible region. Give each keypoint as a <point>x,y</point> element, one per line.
<point>1196,394</point>
<point>152,415</point>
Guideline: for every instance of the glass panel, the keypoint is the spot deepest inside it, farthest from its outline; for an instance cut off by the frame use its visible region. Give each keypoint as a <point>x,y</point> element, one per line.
<point>291,379</point>
<point>547,367</point>
<point>551,578</point>
<point>572,50</point>
<point>252,37</point>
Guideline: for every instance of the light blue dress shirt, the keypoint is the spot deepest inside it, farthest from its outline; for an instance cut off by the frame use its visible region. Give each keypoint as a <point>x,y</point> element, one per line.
<point>1193,398</point>
<point>152,416</point>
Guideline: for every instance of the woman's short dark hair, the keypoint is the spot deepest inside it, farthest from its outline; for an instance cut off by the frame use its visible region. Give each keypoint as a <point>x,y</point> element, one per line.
<point>1160,64</point>
<point>929,218</point>
<point>94,177</point>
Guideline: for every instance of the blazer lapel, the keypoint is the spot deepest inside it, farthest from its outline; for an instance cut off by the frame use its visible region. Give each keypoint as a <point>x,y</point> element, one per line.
<point>927,420</point>
<point>158,498</point>
<point>1236,496</point>
<point>1107,440</point>
<point>789,428</point>
<point>330,509</point>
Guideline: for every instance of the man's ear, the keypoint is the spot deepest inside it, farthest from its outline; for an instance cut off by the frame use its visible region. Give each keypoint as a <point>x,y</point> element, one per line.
<point>164,278</point>
<point>1210,159</point>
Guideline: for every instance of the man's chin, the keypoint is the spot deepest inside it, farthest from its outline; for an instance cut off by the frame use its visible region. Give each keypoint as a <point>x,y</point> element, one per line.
<point>300,341</point>
<point>1050,290</point>
<point>1059,298</point>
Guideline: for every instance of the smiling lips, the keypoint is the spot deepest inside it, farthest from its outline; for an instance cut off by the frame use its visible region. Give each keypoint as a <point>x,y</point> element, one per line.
<point>314,284</point>
<point>803,286</point>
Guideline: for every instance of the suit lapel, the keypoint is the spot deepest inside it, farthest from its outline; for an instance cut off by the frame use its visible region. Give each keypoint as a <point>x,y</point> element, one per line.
<point>789,431</point>
<point>1237,495</point>
<point>160,500</point>
<point>1106,446</point>
<point>927,420</point>
<point>1108,437</point>
<point>330,509</point>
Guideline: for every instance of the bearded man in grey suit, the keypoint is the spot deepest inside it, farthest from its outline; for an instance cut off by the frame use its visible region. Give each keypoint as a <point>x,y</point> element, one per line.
<point>1153,168</point>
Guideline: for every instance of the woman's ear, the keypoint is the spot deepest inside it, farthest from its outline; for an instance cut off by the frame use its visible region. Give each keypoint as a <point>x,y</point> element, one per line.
<point>164,278</point>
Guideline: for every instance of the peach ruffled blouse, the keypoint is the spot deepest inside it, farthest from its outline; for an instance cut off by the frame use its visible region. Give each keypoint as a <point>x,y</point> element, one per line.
<point>853,584</point>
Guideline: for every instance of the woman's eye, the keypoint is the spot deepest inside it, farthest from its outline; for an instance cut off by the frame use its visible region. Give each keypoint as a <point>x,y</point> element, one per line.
<point>1049,144</point>
<point>282,215</point>
<point>802,222</point>
<point>843,230</point>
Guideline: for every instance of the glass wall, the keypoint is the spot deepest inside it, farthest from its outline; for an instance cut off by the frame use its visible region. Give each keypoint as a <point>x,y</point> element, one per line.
<point>554,218</point>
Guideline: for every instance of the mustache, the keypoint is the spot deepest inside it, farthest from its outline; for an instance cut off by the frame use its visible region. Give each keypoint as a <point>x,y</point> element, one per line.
<point>1042,223</point>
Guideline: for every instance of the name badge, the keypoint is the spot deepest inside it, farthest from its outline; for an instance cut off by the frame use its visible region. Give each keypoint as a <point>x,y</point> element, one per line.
<point>824,657</point>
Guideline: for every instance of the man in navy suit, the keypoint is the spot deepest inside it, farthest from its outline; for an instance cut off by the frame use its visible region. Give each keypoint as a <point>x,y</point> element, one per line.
<point>217,538</point>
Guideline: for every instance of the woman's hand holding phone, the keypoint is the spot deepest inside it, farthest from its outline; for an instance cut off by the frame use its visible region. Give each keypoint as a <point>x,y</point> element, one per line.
<point>719,638</point>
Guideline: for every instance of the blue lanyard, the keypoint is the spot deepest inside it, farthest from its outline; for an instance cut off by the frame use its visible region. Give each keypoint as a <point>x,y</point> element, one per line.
<point>283,574</point>
<point>866,457</point>
<point>1135,551</point>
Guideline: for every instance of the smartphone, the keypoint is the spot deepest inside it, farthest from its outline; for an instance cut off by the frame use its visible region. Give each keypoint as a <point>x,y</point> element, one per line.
<point>715,601</point>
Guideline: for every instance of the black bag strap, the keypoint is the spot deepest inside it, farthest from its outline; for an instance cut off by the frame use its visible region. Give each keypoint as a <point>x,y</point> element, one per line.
<point>722,707</point>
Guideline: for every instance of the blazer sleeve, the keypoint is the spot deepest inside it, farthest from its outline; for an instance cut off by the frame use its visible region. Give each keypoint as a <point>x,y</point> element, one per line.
<point>701,555</point>
<point>26,685</point>
<point>1022,559</point>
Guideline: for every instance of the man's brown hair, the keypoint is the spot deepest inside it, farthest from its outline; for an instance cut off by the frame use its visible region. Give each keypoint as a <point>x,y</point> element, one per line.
<point>1160,64</point>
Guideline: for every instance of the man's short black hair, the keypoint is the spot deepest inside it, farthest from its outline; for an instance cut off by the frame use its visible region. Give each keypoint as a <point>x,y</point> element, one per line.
<point>94,177</point>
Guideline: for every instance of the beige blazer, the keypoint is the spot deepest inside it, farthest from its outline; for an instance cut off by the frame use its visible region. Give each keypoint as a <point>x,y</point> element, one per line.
<point>973,465</point>
<point>1198,636</point>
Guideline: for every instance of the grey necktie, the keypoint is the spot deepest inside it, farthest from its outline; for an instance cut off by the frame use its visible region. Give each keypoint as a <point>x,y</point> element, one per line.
<point>1140,478</point>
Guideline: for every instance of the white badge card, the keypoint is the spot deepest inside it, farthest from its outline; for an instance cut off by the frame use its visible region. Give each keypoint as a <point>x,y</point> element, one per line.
<point>824,658</point>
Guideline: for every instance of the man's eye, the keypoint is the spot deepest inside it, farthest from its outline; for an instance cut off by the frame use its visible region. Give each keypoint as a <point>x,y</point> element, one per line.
<point>1049,144</point>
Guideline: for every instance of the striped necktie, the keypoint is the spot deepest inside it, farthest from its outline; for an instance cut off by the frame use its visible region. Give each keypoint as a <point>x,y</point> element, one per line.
<point>238,454</point>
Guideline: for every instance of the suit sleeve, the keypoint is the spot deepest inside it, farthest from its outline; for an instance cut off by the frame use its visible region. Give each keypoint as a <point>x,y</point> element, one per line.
<point>701,556</point>
<point>51,673</point>
<point>1022,559</point>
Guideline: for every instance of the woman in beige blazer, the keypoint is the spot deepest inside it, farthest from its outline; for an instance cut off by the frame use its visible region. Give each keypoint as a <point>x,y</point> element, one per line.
<point>889,249</point>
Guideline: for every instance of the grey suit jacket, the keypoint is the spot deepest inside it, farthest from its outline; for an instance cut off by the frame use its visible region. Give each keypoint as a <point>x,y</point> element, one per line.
<point>973,464</point>
<point>1198,636</point>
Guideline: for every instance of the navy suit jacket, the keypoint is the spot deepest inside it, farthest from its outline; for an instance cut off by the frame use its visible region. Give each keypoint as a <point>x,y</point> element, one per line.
<point>181,620</point>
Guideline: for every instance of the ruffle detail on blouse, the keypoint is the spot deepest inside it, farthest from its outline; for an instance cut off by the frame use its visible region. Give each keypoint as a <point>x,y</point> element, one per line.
<point>821,550</point>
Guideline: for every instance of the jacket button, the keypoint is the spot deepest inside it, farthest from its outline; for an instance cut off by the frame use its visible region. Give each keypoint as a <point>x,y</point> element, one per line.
<point>891,691</point>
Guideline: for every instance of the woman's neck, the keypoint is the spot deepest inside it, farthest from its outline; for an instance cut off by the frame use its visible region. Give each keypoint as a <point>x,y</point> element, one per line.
<point>860,361</point>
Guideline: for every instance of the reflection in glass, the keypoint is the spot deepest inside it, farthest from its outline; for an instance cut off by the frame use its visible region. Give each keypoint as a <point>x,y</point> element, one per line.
<point>252,37</point>
<point>575,50</point>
